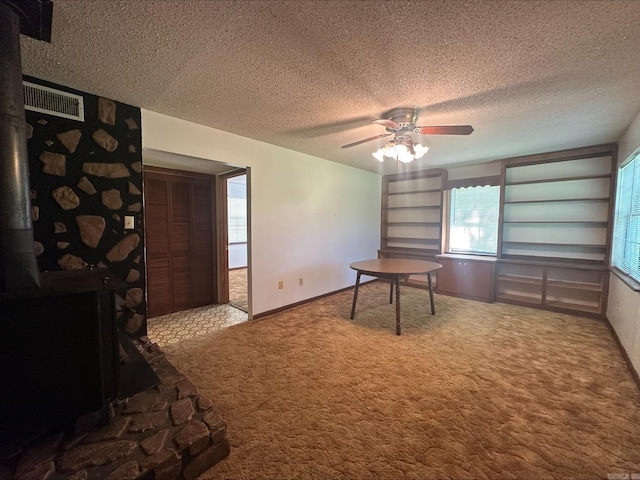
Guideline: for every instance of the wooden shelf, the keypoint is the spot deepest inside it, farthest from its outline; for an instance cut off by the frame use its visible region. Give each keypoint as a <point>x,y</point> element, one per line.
<point>559,263</point>
<point>429,250</point>
<point>557,244</point>
<point>468,257</point>
<point>584,286</point>
<point>580,307</point>
<point>428,241</point>
<point>590,223</point>
<point>413,207</point>
<point>554,261</point>
<point>412,224</point>
<point>520,298</point>
<point>413,252</point>
<point>520,279</point>
<point>409,192</point>
<point>559,179</point>
<point>560,200</point>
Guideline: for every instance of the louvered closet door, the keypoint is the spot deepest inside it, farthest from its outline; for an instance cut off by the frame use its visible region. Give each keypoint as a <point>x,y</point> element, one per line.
<point>156,191</point>
<point>179,226</point>
<point>202,243</point>
<point>180,242</point>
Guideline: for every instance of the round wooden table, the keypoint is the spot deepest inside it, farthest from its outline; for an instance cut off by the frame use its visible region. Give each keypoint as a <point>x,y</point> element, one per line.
<point>394,269</point>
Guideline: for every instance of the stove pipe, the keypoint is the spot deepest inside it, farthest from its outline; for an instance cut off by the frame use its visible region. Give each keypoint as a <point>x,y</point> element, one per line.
<point>18,265</point>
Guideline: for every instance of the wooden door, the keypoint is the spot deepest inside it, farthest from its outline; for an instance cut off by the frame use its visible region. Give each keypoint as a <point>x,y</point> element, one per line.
<point>180,246</point>
<point>202,228</point>
<point>180,243</point>
<point>157,234</point>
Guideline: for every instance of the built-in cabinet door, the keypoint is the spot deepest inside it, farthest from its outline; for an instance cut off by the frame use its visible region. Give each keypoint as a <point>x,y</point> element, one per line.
<point>477,280</point>
<point>179,226</point>
<point>449,278</point>
<point>465,277</point>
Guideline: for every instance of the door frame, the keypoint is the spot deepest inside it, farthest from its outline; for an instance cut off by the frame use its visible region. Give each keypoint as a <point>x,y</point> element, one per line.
<point>222,242</point>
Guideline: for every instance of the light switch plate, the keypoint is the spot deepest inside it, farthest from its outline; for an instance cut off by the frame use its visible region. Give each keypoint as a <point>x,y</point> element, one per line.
<point>129,222</point>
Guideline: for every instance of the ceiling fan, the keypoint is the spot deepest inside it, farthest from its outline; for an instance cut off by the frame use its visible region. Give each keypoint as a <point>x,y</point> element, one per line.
<point>401,121</point>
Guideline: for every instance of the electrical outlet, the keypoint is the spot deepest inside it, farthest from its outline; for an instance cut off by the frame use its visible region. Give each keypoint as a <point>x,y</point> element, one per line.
<point>280,285</point>
<point>300,282</point>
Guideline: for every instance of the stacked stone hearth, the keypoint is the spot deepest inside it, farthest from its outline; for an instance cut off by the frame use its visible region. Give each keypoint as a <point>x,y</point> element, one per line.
<point>169,432</point>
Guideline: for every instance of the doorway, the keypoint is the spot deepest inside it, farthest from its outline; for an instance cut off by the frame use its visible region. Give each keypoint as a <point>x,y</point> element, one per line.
<point>171,214</point>
<point>235,238</point>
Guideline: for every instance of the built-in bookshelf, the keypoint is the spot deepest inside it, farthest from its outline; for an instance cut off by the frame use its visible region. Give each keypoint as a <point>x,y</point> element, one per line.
<point>411,224</point>
<point>552,285</point>
<point>554,235</point>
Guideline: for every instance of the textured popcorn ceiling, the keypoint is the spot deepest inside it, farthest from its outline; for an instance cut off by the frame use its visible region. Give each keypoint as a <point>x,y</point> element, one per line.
<point>530,76</point>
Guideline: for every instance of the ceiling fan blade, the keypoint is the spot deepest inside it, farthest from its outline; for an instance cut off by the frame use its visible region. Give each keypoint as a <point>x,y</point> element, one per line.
<point>366,140</point>
<point>387,123</point>
<point>445,130</point>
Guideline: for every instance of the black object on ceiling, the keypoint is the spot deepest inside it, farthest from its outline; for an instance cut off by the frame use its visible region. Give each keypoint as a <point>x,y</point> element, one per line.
<point>35,17</point>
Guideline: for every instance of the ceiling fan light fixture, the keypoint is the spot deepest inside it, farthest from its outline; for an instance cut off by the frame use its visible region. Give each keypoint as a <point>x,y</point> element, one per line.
<point>404,153</point>
<point>420,150</point>
<point>401,121</point>
<point>379,154</point>
<point>401,149</point>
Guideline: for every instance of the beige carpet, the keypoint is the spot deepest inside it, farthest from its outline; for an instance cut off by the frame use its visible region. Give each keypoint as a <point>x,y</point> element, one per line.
<point>478,391</point>
<point>238,288</point>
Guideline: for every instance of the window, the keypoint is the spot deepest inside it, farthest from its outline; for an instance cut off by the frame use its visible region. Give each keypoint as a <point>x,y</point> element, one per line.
<point>237,209</point>
<point>626,231</point>
<point>473,220</point>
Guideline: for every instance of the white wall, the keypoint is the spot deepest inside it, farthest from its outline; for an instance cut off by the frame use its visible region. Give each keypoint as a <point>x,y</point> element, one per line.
<point>623,310</point>
<point>309,217</point>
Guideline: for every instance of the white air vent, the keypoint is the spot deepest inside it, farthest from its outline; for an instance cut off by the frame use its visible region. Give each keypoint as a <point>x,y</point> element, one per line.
<point>53,102</point>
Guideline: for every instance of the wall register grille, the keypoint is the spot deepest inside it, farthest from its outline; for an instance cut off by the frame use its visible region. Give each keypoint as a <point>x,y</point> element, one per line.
<point>53,102</point>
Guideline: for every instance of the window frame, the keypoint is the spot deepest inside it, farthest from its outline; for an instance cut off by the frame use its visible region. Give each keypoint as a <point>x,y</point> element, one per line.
<point>490,181</point>
<point>627,269</point>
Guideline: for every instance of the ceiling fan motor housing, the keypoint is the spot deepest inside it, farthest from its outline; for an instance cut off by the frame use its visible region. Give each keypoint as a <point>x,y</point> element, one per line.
<point>402,115</point>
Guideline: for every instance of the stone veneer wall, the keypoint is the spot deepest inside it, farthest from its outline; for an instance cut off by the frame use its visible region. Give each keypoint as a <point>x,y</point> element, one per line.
<point>85,177</point>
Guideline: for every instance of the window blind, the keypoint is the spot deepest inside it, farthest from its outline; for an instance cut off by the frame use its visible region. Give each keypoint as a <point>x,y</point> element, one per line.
<point>237,209</point>
<point>626,231</point>
<point>473,220</point>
